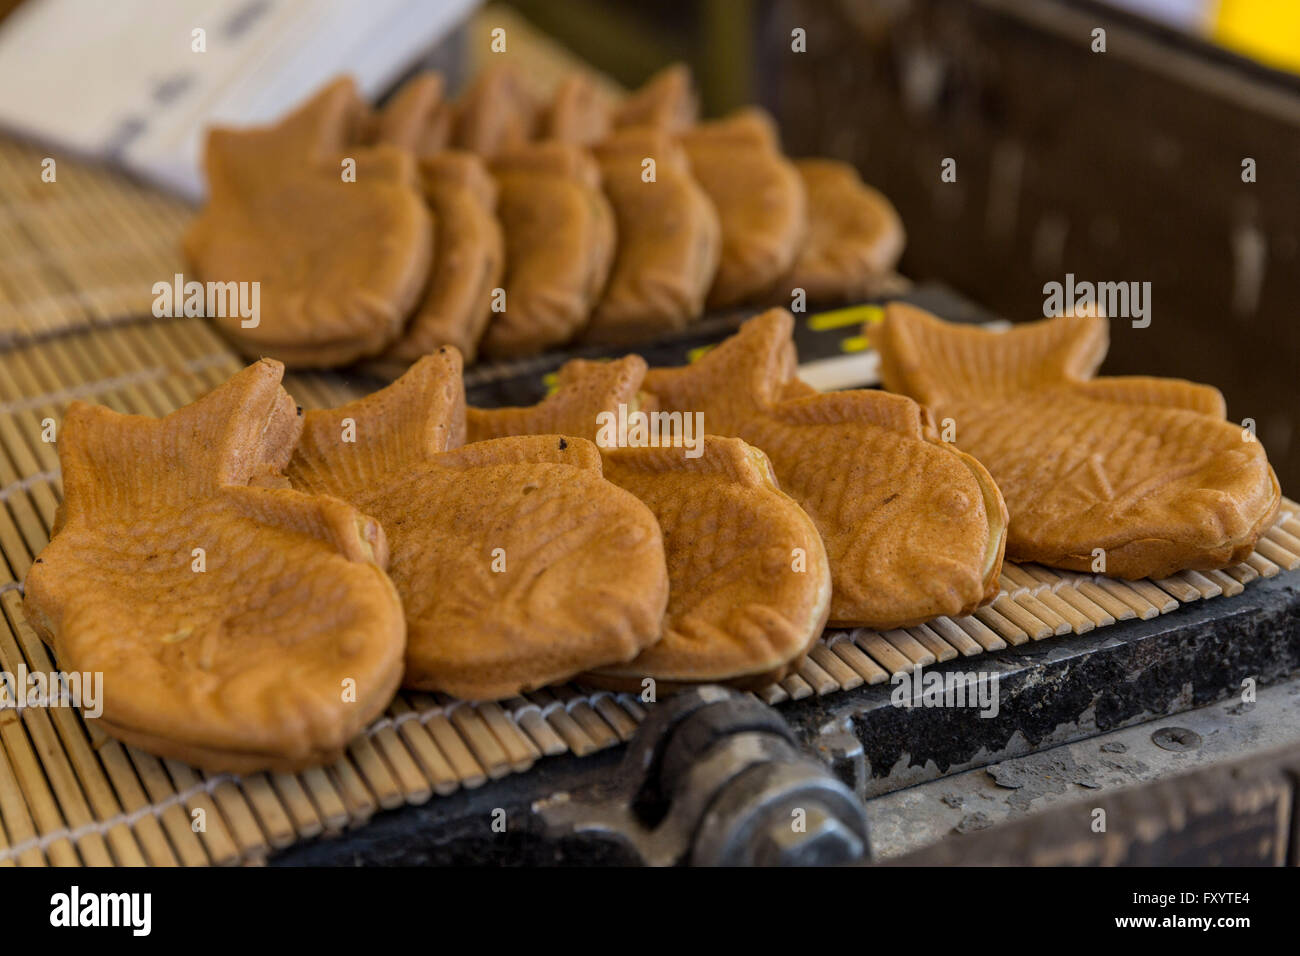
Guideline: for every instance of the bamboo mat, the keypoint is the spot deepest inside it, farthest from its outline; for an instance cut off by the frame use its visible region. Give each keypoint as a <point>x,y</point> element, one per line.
<point>83,251</point>
<point>69,795</point>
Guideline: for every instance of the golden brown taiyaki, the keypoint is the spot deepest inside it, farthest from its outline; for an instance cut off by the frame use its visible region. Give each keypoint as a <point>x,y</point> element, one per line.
<point>239,627</point>
<point>749,583</point>
<point>760,201</point>
<point>338,262</point>
<point>517,563</point>
<point>913,527</point>
<point>469,256</point>
<point>854,239</point>
<point>669,238</point>
<point>1143,473</point>
<point>559,234</point>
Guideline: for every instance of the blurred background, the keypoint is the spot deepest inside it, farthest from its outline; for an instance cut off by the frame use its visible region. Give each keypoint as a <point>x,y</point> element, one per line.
<point>1117,165</point>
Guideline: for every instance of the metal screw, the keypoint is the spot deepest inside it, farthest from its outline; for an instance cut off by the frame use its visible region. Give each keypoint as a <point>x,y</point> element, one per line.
<point>1177,739</point>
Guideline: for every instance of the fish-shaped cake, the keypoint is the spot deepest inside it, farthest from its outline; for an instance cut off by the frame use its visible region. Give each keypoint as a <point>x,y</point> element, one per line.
<point>749,586</point>
<point>560,242</point>
<point>854,240</point>
<point>468,260</point>
<point>749,582</point>
<point>1132,477</point>
<point>669,239</point>
<point>339,263</point>
<point>517,563</point>
<point>239,625</point>
<point>760,199</point>
<point>914,528</point>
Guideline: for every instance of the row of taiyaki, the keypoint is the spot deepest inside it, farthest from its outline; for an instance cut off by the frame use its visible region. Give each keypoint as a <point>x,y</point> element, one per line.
<point>254,584</point>
<point>507,226</point>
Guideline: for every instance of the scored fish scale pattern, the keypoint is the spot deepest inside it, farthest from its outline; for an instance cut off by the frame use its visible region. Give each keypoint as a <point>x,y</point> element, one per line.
<point>1122,460</point>
<point>69,795</point>
<point>882,466</point>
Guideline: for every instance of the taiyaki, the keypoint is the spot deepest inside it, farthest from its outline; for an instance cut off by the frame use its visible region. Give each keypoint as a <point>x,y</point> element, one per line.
<point>239,626</point>
<point>760,201</point>
<point>749,583</point>
<point>669,238</point>
<point>517,563</point>
<point>1128,476</point>
<point>854,238</point>
<point>338,263</point>
<point>559,234</point>
<point>913,527</point>
<point>467,264</point>
<point>749,580</point>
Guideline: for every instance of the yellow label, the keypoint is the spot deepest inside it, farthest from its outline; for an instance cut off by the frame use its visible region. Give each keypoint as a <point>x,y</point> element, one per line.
<point>1266,30</point>
<point>842,318</point>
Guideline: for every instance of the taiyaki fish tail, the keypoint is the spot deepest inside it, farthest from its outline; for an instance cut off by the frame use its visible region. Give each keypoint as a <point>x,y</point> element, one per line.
<point>240,432</point>
<point>355,449</point>
<point>584,390</point>
<point>934,361</point>
<point>744,375</point>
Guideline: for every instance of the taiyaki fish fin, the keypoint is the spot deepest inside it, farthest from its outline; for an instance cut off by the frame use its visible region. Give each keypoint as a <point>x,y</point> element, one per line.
<point>406,119</point>
<point>584,389</point>
<point>750,369</point>
<point>115,464</point>
<point>666,100</point>
<point>359,447</point>
<point>525,449</point>
<point>1162,392</point>
<point>499,111</point>
<point>932,360</point>
<point>897,413</point>
<point>356,536</point>
<point>1089,481</point>
<point>579,112</point>
<point>321,127</point>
